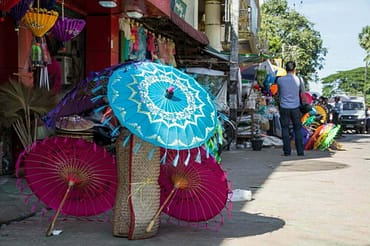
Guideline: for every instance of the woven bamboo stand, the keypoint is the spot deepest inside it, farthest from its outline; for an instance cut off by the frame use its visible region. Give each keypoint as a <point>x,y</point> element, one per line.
<point>138,194</point>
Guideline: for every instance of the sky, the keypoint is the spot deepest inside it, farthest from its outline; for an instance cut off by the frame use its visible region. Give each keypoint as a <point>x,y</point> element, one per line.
<point>339,23</point>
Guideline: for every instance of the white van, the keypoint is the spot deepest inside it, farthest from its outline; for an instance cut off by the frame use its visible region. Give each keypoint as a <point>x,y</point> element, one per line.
<point>353,114</point>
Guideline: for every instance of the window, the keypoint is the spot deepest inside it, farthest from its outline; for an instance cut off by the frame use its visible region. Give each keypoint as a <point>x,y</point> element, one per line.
<point>353,105</point>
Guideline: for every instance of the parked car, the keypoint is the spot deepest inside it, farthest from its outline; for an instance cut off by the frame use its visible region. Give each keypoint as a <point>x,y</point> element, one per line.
<point>353,114</point>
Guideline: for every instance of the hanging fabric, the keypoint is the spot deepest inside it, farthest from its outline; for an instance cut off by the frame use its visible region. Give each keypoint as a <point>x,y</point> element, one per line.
<point>36,54</point>
<point>150,46</point>
<point>172,52</point>
<point>142,34</point>
<point>125,35</point>
<point>44,78</point>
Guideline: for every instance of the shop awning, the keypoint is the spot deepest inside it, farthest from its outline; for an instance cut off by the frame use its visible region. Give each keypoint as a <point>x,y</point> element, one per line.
<point>189,29</point>
<point>176,28</point>
<point>243,58</point>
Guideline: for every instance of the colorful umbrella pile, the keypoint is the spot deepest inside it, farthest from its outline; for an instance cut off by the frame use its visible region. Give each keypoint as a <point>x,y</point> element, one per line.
<point>317,133</point>
<point>70,175</point>
<point>156,106</point>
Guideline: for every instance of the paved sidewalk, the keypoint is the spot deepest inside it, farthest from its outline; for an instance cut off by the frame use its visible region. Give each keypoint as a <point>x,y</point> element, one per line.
<point>319,199</point>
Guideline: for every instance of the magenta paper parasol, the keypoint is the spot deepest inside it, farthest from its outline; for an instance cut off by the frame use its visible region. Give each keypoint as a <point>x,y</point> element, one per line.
<point>193,192</point>
<point>66,29</point>
<point>72,176</point>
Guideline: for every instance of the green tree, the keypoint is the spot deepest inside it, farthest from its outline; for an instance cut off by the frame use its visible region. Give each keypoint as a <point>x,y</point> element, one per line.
<point>291,36</point>
<point>364,40</point>
<point>349,82</point>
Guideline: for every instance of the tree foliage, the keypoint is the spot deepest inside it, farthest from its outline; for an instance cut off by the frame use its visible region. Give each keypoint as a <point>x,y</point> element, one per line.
<point>364,40</point>
<point>291,36</point>
<point>350,82</point>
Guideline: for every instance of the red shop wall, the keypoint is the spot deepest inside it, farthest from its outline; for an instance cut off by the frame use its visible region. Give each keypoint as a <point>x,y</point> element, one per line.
<point>8,50</point>
<point>102,48</point>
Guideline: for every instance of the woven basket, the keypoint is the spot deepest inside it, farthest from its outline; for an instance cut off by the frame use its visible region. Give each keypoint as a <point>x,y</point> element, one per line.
<point>138,194</point>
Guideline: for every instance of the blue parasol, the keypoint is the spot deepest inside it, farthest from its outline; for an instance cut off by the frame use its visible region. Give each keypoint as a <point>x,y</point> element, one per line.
<point>162,105</point>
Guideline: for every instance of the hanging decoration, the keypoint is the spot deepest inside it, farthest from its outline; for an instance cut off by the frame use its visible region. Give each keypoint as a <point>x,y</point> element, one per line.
<point>36,54</point>
<point>19,10</point>
<point>39,20</point>
<point>67,28</point>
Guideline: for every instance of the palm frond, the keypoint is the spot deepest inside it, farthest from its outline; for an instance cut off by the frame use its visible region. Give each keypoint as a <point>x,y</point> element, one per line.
<point>21,105</point>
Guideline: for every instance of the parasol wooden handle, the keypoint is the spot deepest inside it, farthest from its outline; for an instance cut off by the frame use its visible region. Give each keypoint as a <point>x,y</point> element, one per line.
<point>151,224</point>
<point>51,226</point>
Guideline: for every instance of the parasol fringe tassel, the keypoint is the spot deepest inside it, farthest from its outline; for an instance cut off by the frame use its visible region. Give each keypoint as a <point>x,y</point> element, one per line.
<point>207,153</point>
<point>176,160</point>
<point>220,132</point>
<point>97,98</point>
<point>18,184</point>
<point>97,88</point>
<point>27,199</point>
<point>101,108</point>
<point>33,208</point>
<point>137,148</point>
<point>187,159</point>
<point>198,159</point>
<point>105,122</point>
<point>151,153</point>
<point>125,142</point>
<point>164,157</point>
<point>115,131</point>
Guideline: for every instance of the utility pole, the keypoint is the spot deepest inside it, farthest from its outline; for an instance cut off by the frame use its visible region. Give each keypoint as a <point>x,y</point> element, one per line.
<point>234,59</point>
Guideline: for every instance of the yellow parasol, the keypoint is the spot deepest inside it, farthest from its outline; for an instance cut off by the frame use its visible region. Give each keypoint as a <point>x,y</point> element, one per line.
<point>39,20</point>
<point>279,71</point>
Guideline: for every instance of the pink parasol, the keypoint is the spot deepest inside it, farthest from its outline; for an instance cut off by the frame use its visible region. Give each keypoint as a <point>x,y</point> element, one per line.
<point>72,176</point>
<point>192,191</point>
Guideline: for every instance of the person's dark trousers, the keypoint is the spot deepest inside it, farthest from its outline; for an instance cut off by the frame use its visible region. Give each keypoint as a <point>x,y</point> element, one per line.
<point>293,115</point>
